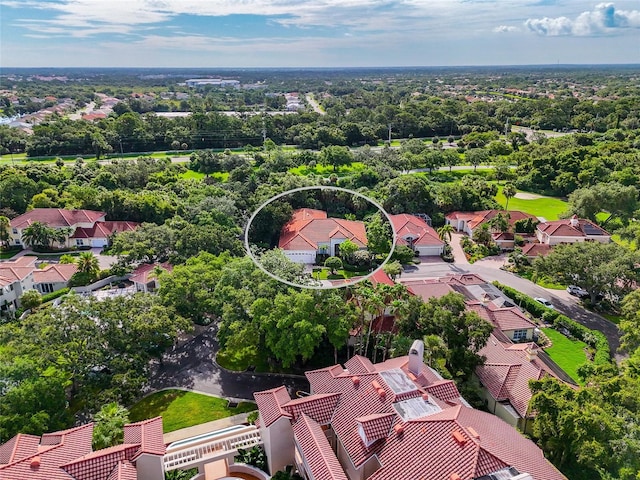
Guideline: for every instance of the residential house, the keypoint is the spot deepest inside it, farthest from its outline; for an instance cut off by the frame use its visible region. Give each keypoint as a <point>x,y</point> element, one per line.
<point>417,235</point>
<point>310,232</point>
<point>53,277</point>
<point>88,228</point>
<point>16,277</point>
<point>571,230</point>
<point>68,455</point>
<point>394,420</point>
<point>144,278</point>
<point>467,222</point>
<point>533,250</point>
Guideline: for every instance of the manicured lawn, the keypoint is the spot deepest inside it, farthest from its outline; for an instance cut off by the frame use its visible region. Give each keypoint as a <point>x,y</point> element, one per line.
<point>325,274</point>
<point>613,318</point>
<point>180,409</point>
<point>327,170</point>
<point>4,254</point>
<point>547,207</point>
<point>568,354</point>
<point>220,176</point>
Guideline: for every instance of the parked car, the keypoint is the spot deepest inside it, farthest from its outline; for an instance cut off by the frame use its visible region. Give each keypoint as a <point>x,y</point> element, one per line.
<point>544,302</point>
<point>577,291</point>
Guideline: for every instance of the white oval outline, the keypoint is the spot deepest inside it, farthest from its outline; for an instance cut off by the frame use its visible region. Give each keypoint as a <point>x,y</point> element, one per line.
<point>318,187</point>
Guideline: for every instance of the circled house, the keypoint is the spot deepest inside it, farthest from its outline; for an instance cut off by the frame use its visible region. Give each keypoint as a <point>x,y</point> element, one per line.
<point>311,232</point>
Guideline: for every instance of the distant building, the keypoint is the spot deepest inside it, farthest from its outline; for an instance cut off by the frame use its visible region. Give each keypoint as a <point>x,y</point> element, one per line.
<point>415,233</point>
<point>571,230</point>
<point>215,82</point>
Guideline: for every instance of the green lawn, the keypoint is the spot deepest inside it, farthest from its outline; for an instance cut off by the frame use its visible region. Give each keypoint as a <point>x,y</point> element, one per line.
<point>180,409</point>
<point>220,176</point>
<point>568,354</point>
<point>327,170</point>
<point>4,253</point>
<point>547,207</point>
<point>325,274</point>
<point>612,317</point>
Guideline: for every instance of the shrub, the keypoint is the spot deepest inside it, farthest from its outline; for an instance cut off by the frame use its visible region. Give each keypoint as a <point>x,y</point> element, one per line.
<point>53,295</point>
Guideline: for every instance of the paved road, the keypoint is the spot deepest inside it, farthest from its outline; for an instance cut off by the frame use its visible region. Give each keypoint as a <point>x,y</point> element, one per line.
<point>191,366</point>
<point>489,270</point>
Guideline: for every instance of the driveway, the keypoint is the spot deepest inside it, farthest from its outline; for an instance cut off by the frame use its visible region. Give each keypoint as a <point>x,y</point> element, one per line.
<point>458,254</point>
<point>192,366</point>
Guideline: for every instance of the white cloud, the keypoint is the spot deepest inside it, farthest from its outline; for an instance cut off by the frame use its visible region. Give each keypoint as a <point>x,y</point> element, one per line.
<point>603,19</point>
<point>505,29</point>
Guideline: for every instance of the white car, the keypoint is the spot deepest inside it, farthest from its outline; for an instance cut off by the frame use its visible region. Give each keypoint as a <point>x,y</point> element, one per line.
<point>544,302</point>
<point>577,291</point>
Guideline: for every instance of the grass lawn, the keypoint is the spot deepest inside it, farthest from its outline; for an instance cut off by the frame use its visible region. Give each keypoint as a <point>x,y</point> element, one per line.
<point>544,282</point>
<point>568,354</point>
<point>547,207</point>
<point>327,170</point>
<point>180,409</point>
<point>4,253</point>
<point>220,176</point>
<point>325,274</point>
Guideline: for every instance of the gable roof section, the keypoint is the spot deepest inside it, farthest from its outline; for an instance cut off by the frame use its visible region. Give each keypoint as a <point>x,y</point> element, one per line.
<point>319,407</point>
<point>359,364</point>
<point>104,229</point>
<point>319,457</point>
<point>475,219</point>
<point>503,318</point>
<point>147,433</point>
<point>143,272</point>
<point>56,217</point>
<point>270,403</point>
<point>56,273</point>
<point>535,249</point>
<point>101,463</point>
<point>407,225</point>
<point>18,447</point>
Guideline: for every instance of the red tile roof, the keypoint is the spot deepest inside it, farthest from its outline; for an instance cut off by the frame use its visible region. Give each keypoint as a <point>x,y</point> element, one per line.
<point>380,277</point>
<point>308,227</point>
<point>535,249</point>
<point>503,318</point>
<point>475,219</point>
<point>56,273</point>
<point>411,226</point>
<point>319,407</point>
<point>572,227</point>
<point>67,454</point>
<point>104,229</point>
<point>314,446</point>
<point>270,403</point>
<point>456,439</point>
<point>57,217</point>
<point>507,371</point>
<point>143,273</point>
<point>359,364</point>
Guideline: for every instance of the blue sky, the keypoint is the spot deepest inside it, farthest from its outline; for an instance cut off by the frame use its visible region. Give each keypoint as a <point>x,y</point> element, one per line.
<point>323,33</point>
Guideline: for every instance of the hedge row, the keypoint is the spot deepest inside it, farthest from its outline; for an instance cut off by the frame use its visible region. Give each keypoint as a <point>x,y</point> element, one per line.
<point>594,338</point>
<point>47,297</point>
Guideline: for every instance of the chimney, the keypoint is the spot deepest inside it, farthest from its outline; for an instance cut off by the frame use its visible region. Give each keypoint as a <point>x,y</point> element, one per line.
<point>416,357</point>
<point>532,354</point>
<point>574,222</point>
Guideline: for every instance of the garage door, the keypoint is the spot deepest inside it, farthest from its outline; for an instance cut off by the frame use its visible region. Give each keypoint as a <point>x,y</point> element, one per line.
<point>302,257</point>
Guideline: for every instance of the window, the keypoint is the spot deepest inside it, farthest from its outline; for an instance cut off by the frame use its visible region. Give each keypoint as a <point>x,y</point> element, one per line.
<point>15,231</point>
<point>520,335</point>
<point>79,241</point>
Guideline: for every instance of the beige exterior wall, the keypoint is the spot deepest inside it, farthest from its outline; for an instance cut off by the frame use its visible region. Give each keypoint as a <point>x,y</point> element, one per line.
<point>149,467</point>
<point>347,464</point>
<point>278,444</point>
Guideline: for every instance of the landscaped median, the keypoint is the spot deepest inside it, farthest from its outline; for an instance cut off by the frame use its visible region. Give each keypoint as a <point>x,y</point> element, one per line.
<point>182,409</point>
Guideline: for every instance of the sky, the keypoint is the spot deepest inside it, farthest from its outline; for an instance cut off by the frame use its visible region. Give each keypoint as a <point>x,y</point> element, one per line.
<point>316,33</point>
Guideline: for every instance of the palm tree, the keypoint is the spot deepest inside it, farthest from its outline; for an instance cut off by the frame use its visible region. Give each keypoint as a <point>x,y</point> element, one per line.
<point>445,231</point>
<point>109,425</point>
<point>500,223</point>
<point>38,234</point>
<point>509,191</point>
<point>88,263</point>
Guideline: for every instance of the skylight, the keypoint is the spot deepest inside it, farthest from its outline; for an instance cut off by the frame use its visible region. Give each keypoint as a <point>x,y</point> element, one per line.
<point>415,408</point>
<point>398,381</point>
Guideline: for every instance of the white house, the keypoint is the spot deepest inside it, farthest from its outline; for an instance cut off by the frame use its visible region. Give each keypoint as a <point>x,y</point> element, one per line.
<point>416,234</point>
<point>571,230</point>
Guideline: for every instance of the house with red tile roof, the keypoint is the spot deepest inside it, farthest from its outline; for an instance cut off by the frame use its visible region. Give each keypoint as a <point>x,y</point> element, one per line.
<point>394,420</point>
<point>468,221</point>
<point>88,228</point>
<point>417,234</point>
<point>144,277</point>
<point>310,232</point>
<point>571,230</point>
<point>53,277</point>
<point>16,277</point>
<point>535,249</point>
<point>68,455</point>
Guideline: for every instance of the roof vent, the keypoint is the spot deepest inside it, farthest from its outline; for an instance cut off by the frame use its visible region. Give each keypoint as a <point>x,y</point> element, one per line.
<point>381,393</point>
<point>35,462</point>
<point>399,429</point>
<point>355,380</point>
<point>459,437</point>
<point>375,385</point>
<point>425,397</point>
